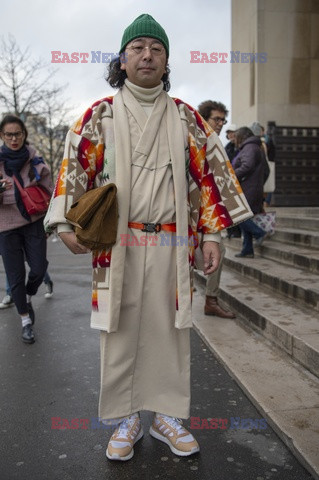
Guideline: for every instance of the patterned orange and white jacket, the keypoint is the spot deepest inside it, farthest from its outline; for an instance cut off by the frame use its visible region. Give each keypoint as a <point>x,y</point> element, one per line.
<point>215,198</point>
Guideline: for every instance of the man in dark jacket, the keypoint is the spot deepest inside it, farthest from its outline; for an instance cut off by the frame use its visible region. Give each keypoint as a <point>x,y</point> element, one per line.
<point>232,151</point>
<point>230,148</point>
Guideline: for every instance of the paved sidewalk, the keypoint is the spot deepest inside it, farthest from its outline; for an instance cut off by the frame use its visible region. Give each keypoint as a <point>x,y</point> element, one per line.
<point>58,376</point>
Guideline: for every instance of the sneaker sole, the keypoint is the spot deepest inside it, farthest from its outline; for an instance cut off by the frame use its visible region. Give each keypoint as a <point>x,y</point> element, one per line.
<point>28,341</point>
<point>48,295</point>
<point>3,305</point>
<point>180,453</point>
<point>130,455</point>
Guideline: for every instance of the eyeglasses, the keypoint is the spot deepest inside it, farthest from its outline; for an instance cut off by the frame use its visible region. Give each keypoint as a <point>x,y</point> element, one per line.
<point>219,120</point>
<point>155,49</point>
<point>10,135</point>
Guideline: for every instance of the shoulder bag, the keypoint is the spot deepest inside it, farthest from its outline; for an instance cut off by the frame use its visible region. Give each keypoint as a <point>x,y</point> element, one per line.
<point>266,221</point>
<point>34,198</point>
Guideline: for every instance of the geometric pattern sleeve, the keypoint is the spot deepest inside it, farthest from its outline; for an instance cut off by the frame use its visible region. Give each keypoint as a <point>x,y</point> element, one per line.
<point>82,162</point>
<point>215,196</point>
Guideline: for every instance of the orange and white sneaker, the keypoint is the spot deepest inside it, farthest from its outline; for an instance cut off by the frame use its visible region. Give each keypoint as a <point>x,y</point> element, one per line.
<point>121,443</point>
<point>170,431</point>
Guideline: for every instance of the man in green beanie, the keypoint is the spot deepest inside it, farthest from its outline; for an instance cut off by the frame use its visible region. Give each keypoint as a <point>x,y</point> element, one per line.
<point>175,190</point>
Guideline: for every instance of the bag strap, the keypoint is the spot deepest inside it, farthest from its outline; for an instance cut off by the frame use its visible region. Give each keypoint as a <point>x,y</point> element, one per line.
<point>18,184</point>
<point>42,190</point>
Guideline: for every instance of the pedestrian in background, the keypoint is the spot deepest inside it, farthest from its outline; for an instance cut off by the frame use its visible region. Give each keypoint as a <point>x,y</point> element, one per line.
<point>7,300</point>
<point>21,236</point>
<point>270,152</point>
<point>250,166</point>
<point>230,148</point>
<point>215,114</point>
<point>232,151</point>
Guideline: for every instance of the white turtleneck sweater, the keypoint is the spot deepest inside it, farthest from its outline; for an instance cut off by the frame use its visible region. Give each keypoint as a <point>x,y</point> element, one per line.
<point>145,96</point>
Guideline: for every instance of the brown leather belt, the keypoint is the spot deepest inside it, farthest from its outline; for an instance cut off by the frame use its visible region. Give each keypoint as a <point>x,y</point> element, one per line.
<point>153,227</point>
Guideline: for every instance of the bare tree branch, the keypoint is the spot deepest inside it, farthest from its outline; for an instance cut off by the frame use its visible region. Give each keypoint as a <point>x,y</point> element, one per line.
<point>26,89</point>
<point>24,81</point>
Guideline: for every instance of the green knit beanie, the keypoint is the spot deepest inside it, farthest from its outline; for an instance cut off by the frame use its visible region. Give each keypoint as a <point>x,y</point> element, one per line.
<point>144,26</point>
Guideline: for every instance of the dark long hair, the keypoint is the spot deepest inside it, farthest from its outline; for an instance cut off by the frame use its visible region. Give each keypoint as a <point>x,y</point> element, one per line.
<point>242,134</point>
<point>116,77</point>
<point>14,119</point>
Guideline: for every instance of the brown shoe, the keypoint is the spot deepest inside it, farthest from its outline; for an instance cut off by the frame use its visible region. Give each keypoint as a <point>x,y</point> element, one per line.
<point>213,308</point>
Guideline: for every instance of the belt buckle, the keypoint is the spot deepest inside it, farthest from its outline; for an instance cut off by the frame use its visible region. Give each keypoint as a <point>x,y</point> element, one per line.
<point>151,227</point>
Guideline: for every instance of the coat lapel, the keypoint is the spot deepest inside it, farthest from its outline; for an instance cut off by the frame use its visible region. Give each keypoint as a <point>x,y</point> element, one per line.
<point>176,146</point>
<point>123,181</point>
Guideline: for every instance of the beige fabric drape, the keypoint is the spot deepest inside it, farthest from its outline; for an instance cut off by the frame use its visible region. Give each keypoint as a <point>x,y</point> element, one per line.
<point>145,365</point>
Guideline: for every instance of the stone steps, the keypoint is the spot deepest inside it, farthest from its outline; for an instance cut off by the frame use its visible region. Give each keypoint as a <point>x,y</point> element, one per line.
<point>284,392</point>
<point>272,348</point>
<point>292,255</point>
<point>297,226</point>
<point>294,236</point>
<point>277,292</point>
<point>295,284</point>
<point>293,221</point>
<point>291,328</point>
<point>296,256</point>
<point>312,212</point>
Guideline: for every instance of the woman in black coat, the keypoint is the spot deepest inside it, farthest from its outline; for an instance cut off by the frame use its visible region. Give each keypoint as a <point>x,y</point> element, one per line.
<point>251,169</point>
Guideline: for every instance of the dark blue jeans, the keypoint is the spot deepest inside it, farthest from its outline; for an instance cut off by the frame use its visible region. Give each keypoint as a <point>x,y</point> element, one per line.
<point>46,279</point>
<point>27,242</point>
<point>249,230</point>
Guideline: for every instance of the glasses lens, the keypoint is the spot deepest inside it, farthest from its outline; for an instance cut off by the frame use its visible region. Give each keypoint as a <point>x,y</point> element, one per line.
<point>137,48</point>
<point>219,120</point>
<point>155,48</point>
<point>11,135</point>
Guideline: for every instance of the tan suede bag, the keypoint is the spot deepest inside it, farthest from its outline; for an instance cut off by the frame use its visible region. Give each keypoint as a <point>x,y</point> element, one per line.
<point>95,217</point>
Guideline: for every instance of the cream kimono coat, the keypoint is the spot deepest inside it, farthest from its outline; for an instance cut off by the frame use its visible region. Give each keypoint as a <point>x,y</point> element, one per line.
<point>208,197</point>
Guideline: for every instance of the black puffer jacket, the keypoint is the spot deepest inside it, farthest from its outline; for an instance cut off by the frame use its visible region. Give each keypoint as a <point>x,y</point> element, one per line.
<point>231,151</point>
<point>252,170</point>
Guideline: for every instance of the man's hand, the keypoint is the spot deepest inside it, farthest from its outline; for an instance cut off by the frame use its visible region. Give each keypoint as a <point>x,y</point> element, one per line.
<point>70,240</point>
<point>211,256</point>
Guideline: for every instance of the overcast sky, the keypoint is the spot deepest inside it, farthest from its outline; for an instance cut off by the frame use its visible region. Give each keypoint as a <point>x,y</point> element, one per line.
<point>98,25</point>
